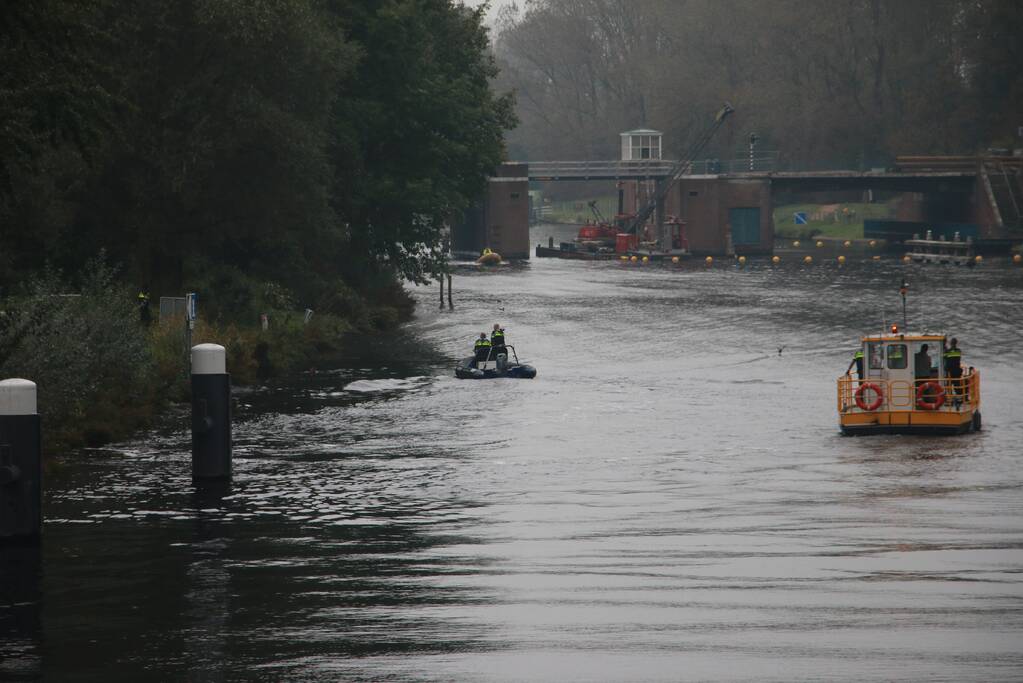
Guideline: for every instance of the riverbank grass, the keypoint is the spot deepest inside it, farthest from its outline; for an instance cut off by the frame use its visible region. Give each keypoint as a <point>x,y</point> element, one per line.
<point>839,221</point>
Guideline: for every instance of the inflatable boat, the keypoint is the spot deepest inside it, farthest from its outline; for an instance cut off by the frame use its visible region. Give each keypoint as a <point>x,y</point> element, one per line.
<point>497,366</point>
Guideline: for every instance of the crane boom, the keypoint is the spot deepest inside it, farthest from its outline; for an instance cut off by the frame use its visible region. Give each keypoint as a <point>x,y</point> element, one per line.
<point>678,170</point>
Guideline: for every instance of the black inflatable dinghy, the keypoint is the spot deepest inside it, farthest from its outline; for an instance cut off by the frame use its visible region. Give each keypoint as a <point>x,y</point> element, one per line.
<point>498,366</point>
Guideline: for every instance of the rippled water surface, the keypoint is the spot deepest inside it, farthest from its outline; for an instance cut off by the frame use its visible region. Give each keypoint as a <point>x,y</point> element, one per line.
<point>669,499</point>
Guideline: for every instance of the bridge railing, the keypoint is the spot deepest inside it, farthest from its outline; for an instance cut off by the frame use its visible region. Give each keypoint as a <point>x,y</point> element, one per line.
<point>646,168</point>
<point>583,170</point>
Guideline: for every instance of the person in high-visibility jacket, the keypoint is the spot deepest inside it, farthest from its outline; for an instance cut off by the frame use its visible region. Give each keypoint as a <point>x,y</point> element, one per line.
<point>953,358</point>
<point>857,360</point>
<point>482,348</point>
<point>143,303</point>
<point>497,340</point>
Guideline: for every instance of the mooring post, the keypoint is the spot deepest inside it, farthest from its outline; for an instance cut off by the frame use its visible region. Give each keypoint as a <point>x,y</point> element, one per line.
<point>441,280</point>
<point>451,304</point>
<point>211,413</point>
<point>21,464</point>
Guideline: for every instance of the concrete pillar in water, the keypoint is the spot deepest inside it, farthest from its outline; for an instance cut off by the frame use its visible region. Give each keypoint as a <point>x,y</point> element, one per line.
<point>211,413</point>
<point>21,465</point>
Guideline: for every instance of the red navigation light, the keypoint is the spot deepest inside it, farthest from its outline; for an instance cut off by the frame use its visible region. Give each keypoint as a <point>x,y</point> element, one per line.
<point>895,328</point>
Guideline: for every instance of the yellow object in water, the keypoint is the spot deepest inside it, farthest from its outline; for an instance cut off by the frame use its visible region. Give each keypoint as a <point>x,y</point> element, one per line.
<point>820,244</point>
<point>847,243</point>
<point>674,259</point>
<point>873,243</point>
<point>645,259</point>
<point>906,259</point>
<point>808,259</point>
<point>795,243</point>
<point>742,260</point>
<point>489,258</point>
<point>876,257</point>
<point>1016,258</point>
<point>624,257</point>
<point>709,260</point>
<point>978,258</point>
<point>841,260</point>
<point>776,260</point>
<point>633,259</point>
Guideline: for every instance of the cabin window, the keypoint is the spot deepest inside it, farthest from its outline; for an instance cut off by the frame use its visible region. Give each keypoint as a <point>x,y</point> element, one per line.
<point>694,193</point>
<point>875,356</point>
<point>514,195</point>
<point>897,356</point>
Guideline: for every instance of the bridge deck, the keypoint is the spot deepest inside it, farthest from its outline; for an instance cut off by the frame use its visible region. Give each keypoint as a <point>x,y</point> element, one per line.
<point>658,169</point>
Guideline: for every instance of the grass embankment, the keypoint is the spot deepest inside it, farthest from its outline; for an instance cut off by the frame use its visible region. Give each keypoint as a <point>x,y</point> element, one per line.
<point>839,221</point>
<point>577,211</point>
<point>102,375</point>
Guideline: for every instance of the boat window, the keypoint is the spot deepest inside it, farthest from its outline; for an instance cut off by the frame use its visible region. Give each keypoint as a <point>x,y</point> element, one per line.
<point>896,356</point>
<point>875,355</point>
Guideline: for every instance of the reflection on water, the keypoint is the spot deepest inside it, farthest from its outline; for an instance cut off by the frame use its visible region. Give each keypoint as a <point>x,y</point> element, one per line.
<point>668,500</point>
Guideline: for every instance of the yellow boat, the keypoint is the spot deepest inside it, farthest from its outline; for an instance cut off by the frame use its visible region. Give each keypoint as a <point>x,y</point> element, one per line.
<point>905,389</point>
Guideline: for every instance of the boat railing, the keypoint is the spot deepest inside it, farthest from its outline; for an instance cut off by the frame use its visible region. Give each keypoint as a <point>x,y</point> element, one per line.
<point>959,394</point>
<point>491,356</point>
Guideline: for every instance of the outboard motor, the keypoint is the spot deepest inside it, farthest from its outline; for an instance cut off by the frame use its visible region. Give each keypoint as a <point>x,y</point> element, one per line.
<point>502,362</point>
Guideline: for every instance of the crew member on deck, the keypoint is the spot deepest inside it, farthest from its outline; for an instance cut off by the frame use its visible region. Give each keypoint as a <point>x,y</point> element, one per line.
<point>954,366</point>
<point>922,363</point>
<point>858,362</point>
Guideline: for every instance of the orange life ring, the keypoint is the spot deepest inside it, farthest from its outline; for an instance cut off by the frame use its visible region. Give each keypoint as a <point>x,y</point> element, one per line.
<point>863,405</point>
<point>932,402</point>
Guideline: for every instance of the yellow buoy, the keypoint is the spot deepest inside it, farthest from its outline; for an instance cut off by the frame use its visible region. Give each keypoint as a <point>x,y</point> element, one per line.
<point>847,244</point>
<point>906,259</point>
<point>709,260</point>
<point>624,257</point>
<point>645,259</point>
<point>820,244</point>
<point>776,260</point>
<point>872,243</point>
<point>742,260</point>
<point>876,257</point>
<point>808,259</point>
<point>795,243</point>
<point>978,258</point>
<point>633,259</point>
<point>841,260</point>
<point>1016,258</point>
<point>674,259</point>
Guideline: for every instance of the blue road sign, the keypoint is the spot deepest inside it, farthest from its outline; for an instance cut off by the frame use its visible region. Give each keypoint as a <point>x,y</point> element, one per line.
<point>800,217</point>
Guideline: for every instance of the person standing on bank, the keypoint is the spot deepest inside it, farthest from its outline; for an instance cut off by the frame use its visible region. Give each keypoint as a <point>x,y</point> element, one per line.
<point>145,317</point>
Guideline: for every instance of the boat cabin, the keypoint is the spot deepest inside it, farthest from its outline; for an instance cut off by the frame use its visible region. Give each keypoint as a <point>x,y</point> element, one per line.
<point>905,388</point>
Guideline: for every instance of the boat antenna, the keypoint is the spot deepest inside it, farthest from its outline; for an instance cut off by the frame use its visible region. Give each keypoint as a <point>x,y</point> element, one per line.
<point>902,290</point>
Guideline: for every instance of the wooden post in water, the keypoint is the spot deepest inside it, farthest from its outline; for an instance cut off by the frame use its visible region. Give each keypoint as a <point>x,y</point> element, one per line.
<point>441,279</point>
<point>451,304</point>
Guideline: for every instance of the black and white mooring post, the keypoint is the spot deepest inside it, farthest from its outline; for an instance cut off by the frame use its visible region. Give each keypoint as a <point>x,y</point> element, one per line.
<point>211,413</point>
<point>21,464</point>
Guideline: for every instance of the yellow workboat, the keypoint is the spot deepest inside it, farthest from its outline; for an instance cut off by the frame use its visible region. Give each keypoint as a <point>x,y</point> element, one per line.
<point>904,387</point>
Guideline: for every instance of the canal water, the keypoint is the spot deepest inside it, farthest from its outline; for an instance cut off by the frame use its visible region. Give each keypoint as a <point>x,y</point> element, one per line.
<point>669,499</point>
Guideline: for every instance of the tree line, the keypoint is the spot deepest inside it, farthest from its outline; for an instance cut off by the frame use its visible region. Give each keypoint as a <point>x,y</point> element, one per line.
<point>827,83</point>
<point>233,146</point>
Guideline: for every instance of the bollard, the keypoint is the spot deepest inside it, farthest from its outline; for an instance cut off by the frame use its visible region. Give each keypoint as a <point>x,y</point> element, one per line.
<point>21,464</point>
<point>211,413</point>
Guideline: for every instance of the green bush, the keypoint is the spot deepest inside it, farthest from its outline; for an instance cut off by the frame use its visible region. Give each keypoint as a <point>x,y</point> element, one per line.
<point>85,350</point>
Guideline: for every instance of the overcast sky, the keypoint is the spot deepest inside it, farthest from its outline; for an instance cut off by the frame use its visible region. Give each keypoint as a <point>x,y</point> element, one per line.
<point>495,6</point>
